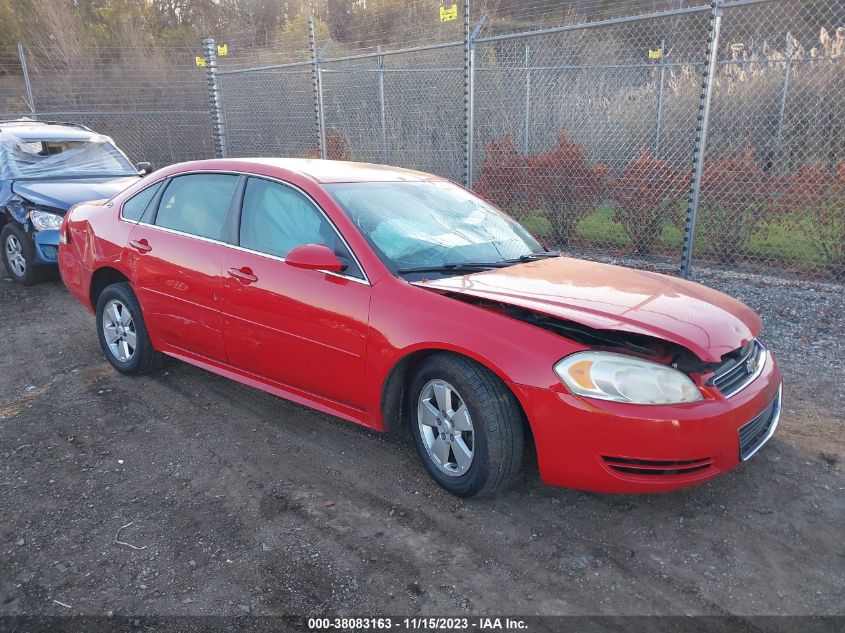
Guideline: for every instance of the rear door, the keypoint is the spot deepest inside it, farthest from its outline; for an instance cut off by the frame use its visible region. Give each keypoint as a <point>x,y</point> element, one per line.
<point>177,254</point>
<point>303,328</point>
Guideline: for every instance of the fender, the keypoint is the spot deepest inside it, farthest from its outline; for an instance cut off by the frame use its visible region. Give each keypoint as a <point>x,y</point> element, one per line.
<point>406,320</point>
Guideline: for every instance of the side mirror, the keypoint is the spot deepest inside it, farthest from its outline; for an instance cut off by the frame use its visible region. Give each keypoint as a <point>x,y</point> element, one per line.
<point>313,257</point>
<point>144,168</point>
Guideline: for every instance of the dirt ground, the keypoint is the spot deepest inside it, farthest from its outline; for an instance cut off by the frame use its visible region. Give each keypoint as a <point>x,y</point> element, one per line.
<point>238,502</point>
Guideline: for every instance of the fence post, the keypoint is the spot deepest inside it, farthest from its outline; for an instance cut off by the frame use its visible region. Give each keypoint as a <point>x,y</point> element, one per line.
<point>218,128</point>
<point>701,135</point>
<point>468,97</point>
<point>29,100</point>
<point>783,90</point>
<point>469,92</point>
<point>317,79</point>
<point>660,90</point>
<point>526,135</point>
<point>380,63</point>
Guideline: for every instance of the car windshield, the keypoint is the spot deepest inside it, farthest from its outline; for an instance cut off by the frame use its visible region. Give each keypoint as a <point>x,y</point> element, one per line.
<point>430,224</point>
<point>56,159</point>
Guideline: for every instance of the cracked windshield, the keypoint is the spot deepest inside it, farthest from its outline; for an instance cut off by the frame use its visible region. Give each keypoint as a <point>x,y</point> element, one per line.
<point>433,223</point>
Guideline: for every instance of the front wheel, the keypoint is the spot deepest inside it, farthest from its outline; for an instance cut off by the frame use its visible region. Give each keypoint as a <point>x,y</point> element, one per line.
<point>19,255</point>
<point>466,426</point>
<point>123,333</point>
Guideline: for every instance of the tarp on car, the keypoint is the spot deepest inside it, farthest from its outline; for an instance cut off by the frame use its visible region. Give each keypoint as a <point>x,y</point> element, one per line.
<point>27,158</point>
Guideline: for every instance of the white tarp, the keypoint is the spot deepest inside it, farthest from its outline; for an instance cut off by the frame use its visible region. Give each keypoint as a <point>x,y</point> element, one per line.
<point>26,158</point>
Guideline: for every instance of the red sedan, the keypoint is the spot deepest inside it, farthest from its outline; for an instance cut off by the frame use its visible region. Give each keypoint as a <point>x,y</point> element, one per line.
<point>403,302</point>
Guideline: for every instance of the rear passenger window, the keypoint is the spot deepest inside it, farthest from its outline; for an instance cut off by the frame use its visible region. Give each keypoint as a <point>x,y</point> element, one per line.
<point>196,204</point>
<point>134,208</point>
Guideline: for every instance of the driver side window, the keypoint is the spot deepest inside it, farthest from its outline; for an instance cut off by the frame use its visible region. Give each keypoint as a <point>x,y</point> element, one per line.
<point>276,219</point>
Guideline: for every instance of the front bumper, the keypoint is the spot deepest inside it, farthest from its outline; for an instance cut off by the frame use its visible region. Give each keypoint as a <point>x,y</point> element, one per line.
<point>46,246</point>
<point>614,447</point>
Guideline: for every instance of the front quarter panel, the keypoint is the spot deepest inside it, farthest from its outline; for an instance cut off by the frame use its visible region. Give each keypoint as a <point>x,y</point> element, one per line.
<point>405,319</point>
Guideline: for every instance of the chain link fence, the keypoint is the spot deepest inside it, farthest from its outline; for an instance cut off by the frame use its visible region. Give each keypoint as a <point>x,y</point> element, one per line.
<point>705,135</point>
<point>773,186</point>
<point>402,109</point>
<point>152,103</point>
<point>587,140</point>
<point>278,117</point>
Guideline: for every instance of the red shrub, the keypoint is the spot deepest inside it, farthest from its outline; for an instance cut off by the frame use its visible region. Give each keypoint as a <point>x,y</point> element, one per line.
<point>647,194</point>
<point>336,148</point>
<point>501,179</point>
<point>812,186</point>
<point>814,198</point>
<point>735,199</point>
<point>565,184</point>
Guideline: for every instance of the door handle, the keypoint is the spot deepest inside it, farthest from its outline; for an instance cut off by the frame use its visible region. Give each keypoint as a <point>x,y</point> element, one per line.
<point>244,275</point>
<point>142,246</point>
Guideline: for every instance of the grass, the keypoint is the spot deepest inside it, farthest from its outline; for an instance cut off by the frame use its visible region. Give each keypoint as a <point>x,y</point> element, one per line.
<point>789,240</point>
<point>600,228</point>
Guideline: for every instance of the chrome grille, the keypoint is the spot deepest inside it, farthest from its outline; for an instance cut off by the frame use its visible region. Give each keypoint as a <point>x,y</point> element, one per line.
<point>740,368</point>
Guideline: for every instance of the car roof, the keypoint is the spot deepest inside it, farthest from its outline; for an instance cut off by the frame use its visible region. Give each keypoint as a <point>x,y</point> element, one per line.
<point>334,171</point>
<point>31,130</point>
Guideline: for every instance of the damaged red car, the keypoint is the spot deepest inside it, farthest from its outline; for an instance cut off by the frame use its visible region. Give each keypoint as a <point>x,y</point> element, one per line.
<point>401,301</point>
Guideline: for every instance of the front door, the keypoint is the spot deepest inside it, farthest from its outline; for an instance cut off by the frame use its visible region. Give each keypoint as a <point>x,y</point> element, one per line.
<point>303,328</point>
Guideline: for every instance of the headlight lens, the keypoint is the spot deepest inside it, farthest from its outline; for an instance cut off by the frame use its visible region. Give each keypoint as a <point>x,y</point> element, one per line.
<point>621,378</point>
<point>43,221</point>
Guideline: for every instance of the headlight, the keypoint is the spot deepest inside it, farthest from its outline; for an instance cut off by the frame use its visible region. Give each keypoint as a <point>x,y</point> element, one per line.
<point>621,378</point>
<point>43,221</point>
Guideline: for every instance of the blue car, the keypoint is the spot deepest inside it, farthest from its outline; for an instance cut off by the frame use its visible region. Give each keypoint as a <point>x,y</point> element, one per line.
<point>45,169</point>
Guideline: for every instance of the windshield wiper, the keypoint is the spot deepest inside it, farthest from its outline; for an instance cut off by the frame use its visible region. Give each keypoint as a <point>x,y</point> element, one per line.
<point>454,267</point>
<point>477,266</point>
<point>534,256</point>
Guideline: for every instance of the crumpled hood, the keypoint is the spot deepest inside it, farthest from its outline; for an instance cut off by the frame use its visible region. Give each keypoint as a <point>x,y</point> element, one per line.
<point>63,194</point>
<point>605,297</point>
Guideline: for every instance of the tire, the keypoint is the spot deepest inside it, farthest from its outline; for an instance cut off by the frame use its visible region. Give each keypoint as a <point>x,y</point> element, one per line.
<point>120,322</point>
<point>495,439</point>
<point>19,255</point>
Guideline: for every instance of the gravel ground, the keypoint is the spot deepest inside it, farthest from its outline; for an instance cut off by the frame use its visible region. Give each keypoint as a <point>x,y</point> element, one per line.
<point>185,493</point>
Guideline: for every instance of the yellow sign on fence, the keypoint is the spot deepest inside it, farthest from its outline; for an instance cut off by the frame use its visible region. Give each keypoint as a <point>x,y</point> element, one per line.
<point>655,54</point>
<point>449,13</point>
<point>222,50</point>
<point>200,62</point>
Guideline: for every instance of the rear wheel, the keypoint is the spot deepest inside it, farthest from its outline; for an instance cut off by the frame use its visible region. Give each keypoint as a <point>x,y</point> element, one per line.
<point>466,426</point>
<point>123,333</point>
<point>19,255</point>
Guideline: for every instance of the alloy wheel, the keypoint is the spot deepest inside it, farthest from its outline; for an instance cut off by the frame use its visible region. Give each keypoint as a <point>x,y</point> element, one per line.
<point>119,331</point>
<point>445,425</point>
<point>14,255</point>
